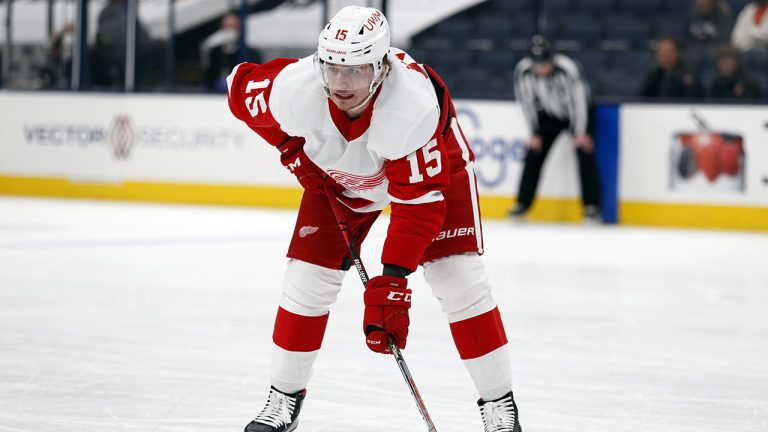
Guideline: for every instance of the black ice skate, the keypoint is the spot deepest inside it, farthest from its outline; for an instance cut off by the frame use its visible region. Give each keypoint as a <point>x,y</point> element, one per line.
<point>592,215</point>
<point>500,415</point>
<point>280,414</point>
<point>518,213</point>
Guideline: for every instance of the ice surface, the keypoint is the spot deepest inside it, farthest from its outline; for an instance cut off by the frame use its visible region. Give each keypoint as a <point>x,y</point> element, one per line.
<point>133,317</point>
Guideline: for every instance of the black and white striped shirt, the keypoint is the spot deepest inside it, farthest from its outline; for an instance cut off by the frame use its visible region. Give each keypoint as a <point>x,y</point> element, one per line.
<point>563,95</point>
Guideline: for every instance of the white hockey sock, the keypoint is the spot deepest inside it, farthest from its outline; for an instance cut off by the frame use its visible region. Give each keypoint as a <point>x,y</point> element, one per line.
<point>462,285</point>
<point>291,370</point>
<point>491,373</point>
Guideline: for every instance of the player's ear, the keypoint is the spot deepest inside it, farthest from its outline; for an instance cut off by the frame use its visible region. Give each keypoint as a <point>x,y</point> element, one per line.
<point>386,65</point>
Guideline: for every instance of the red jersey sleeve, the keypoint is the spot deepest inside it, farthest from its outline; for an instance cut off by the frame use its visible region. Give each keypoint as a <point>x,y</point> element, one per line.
<point>250,86</point>
<point>416,183</point>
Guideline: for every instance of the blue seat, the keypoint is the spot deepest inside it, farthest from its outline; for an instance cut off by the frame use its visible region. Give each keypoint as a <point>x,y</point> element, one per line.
<point>483,88</point>
<point>478,72</point>
<point>756,62</point>
<point>581,29</point>
<point>635,32</point>
<point>420,36</point>
<point>511,7</point>
<point>595,86</point>
<point>738,5</point>
<point>494,28</point>
<point>619,83</point>
<point>449,62</point>
<point>707,77</point>
<point>640,7</point>
<point>636,61</point>
<point>597,7</point>
<point>698,57</point>
<point>556,8</point>
<point>455,29</point>
<point>498,60</point>
<point>590,61</point>
<point>677,8</point>
<point>456,58</point>
<point>521,28</point>
<point>433,43</point>
<point>674,27</point>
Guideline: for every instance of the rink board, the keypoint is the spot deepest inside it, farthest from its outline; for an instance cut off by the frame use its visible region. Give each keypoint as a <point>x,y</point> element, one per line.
<point>722,181</point>
<point>191,149</point>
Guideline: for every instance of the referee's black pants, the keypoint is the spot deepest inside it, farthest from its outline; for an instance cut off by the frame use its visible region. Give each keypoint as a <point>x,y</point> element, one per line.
<point>550,128</point>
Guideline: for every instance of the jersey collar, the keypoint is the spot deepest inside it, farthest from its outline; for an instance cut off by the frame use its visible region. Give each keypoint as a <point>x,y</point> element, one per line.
<point>352,129</point>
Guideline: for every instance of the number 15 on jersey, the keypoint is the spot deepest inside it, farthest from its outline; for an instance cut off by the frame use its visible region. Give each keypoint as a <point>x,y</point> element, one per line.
<point>432,164</point>
<point>256,104</point>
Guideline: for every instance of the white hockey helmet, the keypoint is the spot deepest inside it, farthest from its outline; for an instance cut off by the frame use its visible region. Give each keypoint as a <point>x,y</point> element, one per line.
<point>355,36</point>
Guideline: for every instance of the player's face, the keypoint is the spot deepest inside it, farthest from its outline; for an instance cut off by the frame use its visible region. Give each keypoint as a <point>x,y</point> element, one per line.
<point>348,85</point>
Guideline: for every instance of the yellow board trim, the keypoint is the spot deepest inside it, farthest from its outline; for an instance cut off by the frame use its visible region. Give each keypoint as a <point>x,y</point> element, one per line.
<point>543,209</point>
<point>188,193</point>
<point>694,216</point>
<point>492,207</point>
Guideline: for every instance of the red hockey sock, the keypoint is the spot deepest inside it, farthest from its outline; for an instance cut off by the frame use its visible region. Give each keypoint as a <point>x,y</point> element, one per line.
<point>300,333</point>
<point>479,335</point>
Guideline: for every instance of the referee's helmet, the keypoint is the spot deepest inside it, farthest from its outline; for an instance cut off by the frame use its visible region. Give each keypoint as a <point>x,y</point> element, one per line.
<point>540,50</point>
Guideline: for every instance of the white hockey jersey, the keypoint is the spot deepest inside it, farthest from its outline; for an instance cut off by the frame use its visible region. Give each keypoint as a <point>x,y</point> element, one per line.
<point>405,149</point>
<point>402,119</point>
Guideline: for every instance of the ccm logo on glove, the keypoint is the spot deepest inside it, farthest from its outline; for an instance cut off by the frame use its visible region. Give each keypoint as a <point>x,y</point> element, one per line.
<point>293,158</point>
<point>387,300</point>
<point>293,165</point>
<point>397,296</point>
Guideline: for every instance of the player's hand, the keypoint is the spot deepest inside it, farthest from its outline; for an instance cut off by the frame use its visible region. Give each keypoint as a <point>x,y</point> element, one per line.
<point>387,300</point>
<point>534,143</point>
<point>294,159</point>
<point>584,142</point>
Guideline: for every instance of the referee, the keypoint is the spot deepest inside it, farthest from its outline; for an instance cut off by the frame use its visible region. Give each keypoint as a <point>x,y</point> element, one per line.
<point>555,98</point>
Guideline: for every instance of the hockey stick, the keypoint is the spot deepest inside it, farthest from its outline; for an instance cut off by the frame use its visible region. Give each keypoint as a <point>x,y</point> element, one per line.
<point>364,278</point>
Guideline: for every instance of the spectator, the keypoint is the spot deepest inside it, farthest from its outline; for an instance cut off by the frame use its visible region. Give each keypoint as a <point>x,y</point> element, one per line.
<point>555,98</point>
<point>751,29</point>
<point>57,71</point>
<point>732,82</point>
<point>709,23</point>
<point>220,53</point>
<point>108,63</point>
<point>670,78</point>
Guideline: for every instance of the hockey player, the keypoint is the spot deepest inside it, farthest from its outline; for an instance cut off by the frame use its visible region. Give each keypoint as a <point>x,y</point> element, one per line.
<point>381,129</point>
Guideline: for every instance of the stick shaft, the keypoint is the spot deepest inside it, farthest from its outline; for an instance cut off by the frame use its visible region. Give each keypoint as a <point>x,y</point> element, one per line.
<point>411,384</point>
<point>390,339</point>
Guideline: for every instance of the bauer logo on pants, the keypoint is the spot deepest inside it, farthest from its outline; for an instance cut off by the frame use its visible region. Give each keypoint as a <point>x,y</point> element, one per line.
<point>456,232</point>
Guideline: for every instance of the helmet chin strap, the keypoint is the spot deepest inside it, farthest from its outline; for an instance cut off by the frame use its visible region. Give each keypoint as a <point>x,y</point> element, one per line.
<point>372,89</point>
<point>364,101</point>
